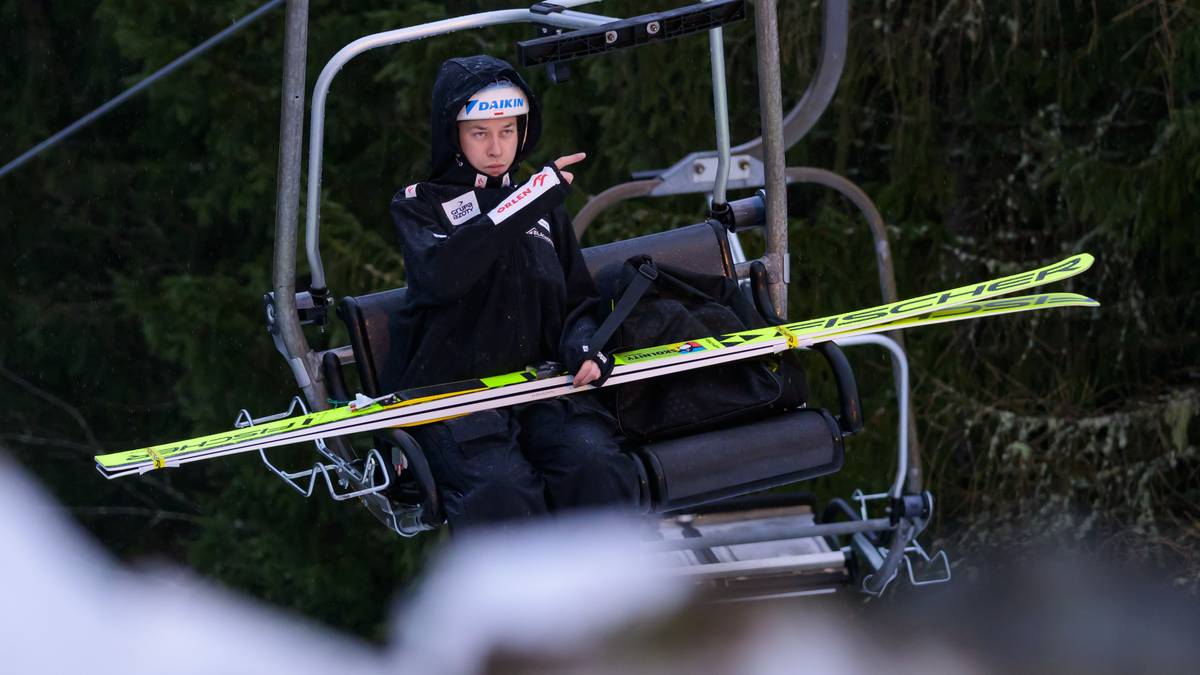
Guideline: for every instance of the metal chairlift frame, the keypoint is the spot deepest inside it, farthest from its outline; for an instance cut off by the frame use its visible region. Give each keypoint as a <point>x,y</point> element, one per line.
<point>760,162</point>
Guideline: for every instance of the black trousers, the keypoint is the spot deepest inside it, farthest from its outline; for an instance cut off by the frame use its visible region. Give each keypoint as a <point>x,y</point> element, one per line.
<point>529,460</point>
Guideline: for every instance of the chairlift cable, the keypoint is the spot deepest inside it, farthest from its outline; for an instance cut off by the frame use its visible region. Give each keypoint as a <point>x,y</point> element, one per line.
<point>166,70</point>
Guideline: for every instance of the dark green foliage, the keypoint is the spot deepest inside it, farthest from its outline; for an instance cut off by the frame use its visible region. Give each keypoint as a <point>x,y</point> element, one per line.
<point>991,135</point>
<point>989,140</point>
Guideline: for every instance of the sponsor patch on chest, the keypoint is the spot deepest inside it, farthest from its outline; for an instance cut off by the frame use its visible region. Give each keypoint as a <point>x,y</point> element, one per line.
<point>541,232</point>
<point>462,208</point>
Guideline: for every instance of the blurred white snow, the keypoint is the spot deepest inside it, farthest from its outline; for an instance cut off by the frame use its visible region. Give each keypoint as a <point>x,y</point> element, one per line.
<point>552,588</point>
<point>69,608</point>
<point>563,596</point>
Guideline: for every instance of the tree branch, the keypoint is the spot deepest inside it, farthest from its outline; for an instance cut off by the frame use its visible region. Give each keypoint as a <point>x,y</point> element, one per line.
<point>55,401</point>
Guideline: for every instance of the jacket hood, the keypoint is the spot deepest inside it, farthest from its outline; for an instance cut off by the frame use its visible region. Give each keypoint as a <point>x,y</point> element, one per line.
<point>457,80</point>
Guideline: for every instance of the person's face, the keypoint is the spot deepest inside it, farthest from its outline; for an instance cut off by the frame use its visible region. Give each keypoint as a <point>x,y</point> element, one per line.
<point>489,145</point>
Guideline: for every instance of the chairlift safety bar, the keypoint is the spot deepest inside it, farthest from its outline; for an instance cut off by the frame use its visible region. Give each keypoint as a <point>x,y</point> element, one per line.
<point>564,19</point>
<point>633,32</point>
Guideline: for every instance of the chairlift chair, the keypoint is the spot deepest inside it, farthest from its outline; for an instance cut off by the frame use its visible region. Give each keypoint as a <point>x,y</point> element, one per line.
<point>714,523</point>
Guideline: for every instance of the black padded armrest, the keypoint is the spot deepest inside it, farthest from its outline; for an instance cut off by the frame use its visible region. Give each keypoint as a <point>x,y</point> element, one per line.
<point>418,465</point>
<point>850,420</point>
<point>758,291</point>
<point>331,366</point>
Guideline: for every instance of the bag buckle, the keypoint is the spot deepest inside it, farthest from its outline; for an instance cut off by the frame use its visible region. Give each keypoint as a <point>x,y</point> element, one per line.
<point>648,270</point>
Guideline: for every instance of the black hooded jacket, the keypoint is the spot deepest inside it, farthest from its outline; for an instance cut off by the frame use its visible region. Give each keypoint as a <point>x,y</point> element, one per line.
<point>496,281</point>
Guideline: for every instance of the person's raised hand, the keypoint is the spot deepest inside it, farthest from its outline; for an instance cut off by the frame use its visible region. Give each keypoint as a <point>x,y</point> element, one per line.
<point>568,160</point>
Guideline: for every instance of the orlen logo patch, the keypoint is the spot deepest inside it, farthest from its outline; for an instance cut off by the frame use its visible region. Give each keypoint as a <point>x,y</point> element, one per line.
<point>531,190</point>
<point>498,107</point>
<point>517,198</point>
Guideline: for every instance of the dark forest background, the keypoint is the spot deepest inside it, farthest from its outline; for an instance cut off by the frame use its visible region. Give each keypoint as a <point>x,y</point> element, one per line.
<point>993,137</point>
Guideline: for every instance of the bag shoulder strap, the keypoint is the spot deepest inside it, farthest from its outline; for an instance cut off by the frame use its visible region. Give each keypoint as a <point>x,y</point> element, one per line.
<point>647,273</point>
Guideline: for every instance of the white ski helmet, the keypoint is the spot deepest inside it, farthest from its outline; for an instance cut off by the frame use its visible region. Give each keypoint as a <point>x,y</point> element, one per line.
<point>498,99</point>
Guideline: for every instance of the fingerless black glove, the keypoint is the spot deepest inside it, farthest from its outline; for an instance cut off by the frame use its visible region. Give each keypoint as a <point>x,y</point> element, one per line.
<point>576,355</point>
<point>605,362</point>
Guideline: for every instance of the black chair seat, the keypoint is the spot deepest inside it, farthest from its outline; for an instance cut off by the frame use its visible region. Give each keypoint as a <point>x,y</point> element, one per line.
<point>714,465</point>
<point>682,472</point>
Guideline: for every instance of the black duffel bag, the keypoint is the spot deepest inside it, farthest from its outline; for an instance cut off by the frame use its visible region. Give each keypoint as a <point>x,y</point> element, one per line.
<point>677,305</point>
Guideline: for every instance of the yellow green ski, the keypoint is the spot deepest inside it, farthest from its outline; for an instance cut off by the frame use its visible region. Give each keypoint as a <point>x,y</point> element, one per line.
<point>429,404</point>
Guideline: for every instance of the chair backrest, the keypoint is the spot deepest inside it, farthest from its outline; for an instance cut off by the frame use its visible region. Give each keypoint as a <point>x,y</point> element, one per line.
<point>371,318</point>
<point>703,248</point>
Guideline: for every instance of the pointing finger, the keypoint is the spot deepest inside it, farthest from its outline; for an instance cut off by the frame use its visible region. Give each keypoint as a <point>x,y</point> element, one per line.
<point>570,159</point>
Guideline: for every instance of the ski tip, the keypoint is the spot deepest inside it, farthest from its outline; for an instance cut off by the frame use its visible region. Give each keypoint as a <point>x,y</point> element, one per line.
<point>1060,271</point>
<point>1071,300</point>
<point>108,474</point>
<point>116,460</point>
<point>1072,265</point>
<point>1064,299</point>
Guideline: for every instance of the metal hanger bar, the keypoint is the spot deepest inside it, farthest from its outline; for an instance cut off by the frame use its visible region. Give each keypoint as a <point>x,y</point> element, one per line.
<point>716,48</point>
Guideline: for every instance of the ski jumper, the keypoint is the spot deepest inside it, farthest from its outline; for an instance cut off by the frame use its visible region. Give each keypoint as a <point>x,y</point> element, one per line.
<point>496,282</point>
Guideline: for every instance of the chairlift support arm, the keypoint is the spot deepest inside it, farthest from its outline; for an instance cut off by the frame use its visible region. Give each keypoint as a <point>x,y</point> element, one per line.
<point>283,314</point>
